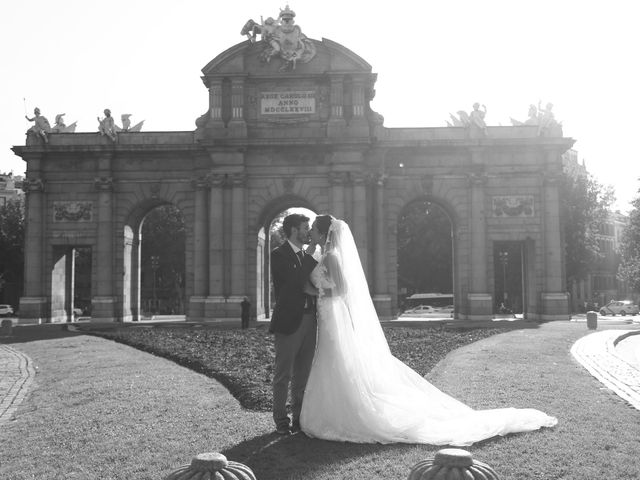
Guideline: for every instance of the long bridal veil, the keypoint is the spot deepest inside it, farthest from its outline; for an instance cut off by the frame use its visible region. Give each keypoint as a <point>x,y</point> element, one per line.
<point>358,391</point>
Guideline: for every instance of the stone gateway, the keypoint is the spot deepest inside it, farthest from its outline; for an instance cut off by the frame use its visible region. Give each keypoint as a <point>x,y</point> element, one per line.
<point>273,138</point>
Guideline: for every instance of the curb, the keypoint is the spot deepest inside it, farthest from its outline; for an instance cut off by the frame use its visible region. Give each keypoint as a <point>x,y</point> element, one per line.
<point>17,374</point>
<point>597,353</point>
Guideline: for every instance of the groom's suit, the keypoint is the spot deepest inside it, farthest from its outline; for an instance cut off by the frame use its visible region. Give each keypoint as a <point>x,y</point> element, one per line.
<point>294,325</point>
<point>289,278</point>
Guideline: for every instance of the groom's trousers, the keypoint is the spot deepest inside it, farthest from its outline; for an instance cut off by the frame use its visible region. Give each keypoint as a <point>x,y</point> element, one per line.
<point>294,355</point>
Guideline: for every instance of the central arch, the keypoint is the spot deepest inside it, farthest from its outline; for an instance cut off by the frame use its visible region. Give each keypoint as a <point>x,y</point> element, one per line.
<point>263,248</point>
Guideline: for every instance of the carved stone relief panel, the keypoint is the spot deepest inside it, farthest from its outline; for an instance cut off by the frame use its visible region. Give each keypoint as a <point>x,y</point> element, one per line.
<point>72,211</point>
<point>513,206</point>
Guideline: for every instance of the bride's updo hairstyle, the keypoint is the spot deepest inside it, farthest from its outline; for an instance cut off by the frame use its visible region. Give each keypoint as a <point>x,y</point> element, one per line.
<point>323,222</point>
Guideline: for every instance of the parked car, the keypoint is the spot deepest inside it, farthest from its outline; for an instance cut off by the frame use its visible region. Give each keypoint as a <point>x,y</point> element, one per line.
<point>6,310</point>
<point>422,309</point>
<point>623,307</point>
<point>428,310</point>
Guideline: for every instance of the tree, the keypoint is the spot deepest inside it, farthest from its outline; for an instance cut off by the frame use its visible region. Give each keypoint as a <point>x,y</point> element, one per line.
<point>12,228</point>
<point>629,269</point>
<point>425,249</point>
<point>276,234</point>
<point>585,205</point>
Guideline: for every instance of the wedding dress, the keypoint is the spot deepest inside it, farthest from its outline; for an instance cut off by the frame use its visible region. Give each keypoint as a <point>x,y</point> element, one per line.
<point>359,392</point>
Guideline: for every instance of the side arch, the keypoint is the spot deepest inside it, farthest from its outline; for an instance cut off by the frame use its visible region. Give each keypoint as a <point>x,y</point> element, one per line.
<point>453,201</point>
<point>131,251</point>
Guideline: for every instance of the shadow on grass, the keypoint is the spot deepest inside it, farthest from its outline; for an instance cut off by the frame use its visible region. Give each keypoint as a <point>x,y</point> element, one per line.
<point>32,333</point>
<point>274,457</point>
<point>298,457</point>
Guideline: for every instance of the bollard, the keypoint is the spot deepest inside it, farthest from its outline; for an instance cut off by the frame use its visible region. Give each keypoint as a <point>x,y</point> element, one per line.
<point>592,320</point>
<point>212,465</point>
<point>450,464</point>
<point>6,328</point>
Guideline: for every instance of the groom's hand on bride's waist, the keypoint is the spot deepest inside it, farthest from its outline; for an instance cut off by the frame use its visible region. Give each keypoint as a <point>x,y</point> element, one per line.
<point>310,289</point>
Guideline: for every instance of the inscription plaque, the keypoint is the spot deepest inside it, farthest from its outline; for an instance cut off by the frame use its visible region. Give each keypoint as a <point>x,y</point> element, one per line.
<point>288,103</point>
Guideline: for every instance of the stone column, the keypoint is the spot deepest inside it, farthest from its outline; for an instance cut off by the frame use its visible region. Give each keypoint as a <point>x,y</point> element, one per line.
<point>33,305</point>
<point>237,124</point>
<point>359,225</point>
<point>238,243</point>
<point>555,302</point>
<point>381,297</point>
<point>336,125</point>
<point>200,250</point>
<point>103,301</point>
<point>216,247</point>
<point>479,300</point>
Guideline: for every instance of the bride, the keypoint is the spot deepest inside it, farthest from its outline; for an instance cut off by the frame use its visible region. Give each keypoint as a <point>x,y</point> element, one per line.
<point>357,390</point>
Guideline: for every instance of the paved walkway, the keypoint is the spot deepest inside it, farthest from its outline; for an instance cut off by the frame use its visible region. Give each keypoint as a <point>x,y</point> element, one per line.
<point>598,353</point>
<point>16,374</point>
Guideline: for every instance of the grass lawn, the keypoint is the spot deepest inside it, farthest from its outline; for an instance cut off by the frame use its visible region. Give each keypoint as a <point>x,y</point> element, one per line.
<point>102,410</point>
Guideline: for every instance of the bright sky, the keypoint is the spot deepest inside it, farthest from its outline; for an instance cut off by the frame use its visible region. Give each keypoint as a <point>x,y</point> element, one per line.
<point>432,58</point>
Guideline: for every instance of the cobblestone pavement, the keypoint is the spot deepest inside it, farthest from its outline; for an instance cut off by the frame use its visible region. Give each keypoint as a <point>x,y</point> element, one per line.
<point>16,374</point>
<point>597,353</point>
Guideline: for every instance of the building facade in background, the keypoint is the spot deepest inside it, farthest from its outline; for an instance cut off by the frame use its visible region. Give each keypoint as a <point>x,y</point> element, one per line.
<point>10,187</point>
<point>600,284</point>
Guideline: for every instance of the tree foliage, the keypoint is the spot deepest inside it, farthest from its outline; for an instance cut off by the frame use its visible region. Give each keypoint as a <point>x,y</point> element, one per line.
<point>12,230</point>
<point>585,205</point>
<point>276,234</point>
<point>163,236</point>
<point>425,249</point>
<point>629,269</point>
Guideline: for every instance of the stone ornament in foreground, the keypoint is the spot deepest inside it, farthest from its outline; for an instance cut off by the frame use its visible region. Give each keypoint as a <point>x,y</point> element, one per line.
<point>450,464</point>
<point>212,465</point>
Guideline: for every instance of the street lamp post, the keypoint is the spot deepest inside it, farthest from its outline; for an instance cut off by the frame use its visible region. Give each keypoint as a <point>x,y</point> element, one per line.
<point>155,264</point>
<point>504,259</point>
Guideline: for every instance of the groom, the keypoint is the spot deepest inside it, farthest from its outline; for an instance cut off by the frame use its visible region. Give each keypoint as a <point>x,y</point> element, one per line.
<point>293,321</point>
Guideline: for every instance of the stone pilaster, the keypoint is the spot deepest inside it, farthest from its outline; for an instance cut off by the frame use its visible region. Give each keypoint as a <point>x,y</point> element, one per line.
<point>216,245</point>
<point>215,103</point>
<point>131,276</point>
<point>359,218</point>
<point>347,188</point>
<point>337,124</point>
<point>200,250</point>
<point>381,297</point>
<point>555,301</point>
<point>33,305</point>
<point>237,125</point>
<point>479,300</point>
<point>103,301</point>
<point>238,245</point>
<point>358,125</point>
<point>358,99</point>
<point>337,181</point>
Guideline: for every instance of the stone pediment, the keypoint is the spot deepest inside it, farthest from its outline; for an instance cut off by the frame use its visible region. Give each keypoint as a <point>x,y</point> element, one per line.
<point>245,59</point>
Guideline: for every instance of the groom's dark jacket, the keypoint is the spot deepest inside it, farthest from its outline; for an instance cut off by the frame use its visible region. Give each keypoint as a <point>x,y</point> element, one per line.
<point>289,278</point>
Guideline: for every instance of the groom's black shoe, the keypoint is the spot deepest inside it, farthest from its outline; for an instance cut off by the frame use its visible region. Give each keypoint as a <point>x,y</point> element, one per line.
<point>283,430</point>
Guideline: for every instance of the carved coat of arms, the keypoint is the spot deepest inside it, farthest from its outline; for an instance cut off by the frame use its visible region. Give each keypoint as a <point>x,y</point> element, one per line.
<point>282,38</point>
